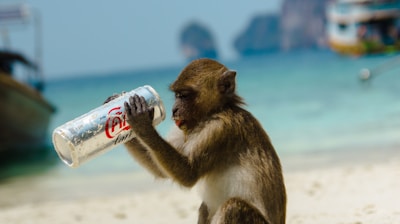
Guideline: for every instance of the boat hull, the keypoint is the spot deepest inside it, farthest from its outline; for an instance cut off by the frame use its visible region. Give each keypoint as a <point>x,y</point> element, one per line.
<point>362,48</point>
<point>24,117</point>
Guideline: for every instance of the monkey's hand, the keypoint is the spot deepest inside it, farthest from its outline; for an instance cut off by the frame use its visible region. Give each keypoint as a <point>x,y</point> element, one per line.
<point>110,98</point>
<point>140,115</point>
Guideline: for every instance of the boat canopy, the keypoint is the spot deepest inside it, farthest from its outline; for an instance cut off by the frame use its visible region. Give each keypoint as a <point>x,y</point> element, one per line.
<point>13,14</point>
<point>355,11</point>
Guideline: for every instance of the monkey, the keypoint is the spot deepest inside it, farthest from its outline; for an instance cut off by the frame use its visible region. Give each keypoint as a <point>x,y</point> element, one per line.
<point>215,145</point>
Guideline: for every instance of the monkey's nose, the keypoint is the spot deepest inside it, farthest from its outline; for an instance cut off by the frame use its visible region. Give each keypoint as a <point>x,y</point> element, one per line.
<point>174,111</point>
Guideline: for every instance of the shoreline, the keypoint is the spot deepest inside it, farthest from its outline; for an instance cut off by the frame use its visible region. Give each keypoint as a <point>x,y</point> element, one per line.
<point>355,186</point>
<point>339,156</point>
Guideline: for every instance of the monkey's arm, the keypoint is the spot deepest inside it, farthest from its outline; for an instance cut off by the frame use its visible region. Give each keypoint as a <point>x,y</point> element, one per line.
<point>180,167</point>
<point>173,163</point>
<point>143,157</point>
<point>140,152</point>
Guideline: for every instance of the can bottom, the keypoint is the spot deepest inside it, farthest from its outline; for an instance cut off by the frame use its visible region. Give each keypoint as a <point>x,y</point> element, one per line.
<point>64,148</point>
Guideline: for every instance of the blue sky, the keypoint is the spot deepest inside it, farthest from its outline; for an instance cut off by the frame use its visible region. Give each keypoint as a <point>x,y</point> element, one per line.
<point>98,36</point>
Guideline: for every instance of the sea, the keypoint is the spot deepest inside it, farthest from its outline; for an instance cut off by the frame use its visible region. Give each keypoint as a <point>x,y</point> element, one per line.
<point>309,102</point>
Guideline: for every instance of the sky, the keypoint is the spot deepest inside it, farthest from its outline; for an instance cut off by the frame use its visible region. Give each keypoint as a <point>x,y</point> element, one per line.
<point>101,36</point>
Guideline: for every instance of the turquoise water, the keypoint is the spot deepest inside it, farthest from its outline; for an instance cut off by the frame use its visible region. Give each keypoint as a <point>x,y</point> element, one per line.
<point>307,101</point>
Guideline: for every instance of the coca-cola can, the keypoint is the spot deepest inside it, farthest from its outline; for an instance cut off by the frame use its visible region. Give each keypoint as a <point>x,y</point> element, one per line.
<point>101,129</point>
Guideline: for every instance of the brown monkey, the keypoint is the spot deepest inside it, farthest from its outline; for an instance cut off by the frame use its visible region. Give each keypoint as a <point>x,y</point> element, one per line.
<point>218,145</point>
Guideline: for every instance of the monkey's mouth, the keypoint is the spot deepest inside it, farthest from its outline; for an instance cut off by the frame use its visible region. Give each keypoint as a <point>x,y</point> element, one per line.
<point>179,123</point>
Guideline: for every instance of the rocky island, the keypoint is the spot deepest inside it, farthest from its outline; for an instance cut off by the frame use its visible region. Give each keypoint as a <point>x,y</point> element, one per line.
<point>300,24</point>
<point>196,41</point>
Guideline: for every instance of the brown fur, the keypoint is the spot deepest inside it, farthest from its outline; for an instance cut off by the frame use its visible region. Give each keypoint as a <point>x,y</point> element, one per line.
<point>220,147</point>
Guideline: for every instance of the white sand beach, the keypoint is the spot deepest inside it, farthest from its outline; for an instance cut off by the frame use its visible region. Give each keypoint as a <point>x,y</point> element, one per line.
<point>354,188</point>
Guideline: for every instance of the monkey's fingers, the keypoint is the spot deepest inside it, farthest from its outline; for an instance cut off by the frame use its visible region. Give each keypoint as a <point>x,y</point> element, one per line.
<point>132,105</point>
<point>127,109</point>
<point>136,109</point>
<point>138,104</point>
<point>143,104</point>
<point>110,98</point>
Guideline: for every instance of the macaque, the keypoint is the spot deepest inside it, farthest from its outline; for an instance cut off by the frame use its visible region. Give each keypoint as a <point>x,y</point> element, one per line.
<point>216,145</point>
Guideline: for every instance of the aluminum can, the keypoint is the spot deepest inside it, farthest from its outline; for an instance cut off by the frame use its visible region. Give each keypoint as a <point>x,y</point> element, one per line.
<point>101,129</point>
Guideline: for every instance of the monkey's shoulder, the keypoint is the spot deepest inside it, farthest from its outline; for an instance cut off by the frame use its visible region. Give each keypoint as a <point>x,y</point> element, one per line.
<point>242,124</point>
<point>237,117</point>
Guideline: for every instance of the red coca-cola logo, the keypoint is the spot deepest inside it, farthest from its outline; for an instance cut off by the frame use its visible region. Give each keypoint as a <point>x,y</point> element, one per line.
<point>116,122</point>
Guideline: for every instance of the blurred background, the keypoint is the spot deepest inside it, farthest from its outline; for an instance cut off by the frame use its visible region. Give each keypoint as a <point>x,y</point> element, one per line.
<point>104,36</point>
<point>320,75</point>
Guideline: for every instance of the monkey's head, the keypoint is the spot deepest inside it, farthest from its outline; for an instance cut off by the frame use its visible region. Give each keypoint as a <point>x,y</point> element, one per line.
<point>203,88</point>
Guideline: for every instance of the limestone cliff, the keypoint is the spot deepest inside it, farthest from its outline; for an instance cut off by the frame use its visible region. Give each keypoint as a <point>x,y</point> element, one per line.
<point>196,41</point>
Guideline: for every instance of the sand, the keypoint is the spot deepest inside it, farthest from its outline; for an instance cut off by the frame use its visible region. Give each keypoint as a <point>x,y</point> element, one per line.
<point>348,188</point>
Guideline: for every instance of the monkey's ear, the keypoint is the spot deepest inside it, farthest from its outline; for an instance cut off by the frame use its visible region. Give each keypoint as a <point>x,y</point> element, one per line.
<point>226,83</point>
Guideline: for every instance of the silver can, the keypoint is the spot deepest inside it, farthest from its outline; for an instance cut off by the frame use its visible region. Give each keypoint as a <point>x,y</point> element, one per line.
<point>101,129</point>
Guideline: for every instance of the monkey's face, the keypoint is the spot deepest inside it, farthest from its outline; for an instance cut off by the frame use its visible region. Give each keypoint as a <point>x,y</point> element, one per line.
<point>180,111</point>
<point>203,88</point>
<point>186,111</point>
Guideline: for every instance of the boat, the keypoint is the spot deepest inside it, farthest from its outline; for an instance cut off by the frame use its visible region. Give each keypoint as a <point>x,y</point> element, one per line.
<point>359,27</point>
<point>25,114</point>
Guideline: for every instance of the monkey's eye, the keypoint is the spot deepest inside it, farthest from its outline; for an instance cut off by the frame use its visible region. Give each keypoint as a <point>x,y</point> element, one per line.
<point>182,95</point>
